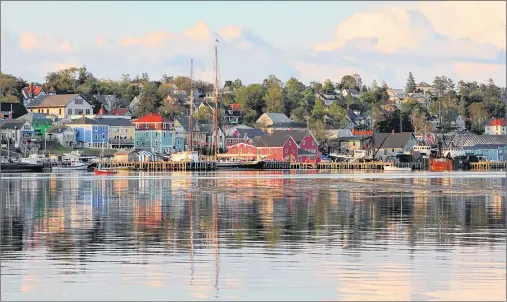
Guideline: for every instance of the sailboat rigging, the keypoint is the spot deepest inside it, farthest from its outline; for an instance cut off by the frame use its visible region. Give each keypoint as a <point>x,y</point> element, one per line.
<point>217,100</point>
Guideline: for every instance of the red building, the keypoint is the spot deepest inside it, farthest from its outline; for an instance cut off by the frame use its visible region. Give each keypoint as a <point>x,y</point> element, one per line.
<point>297,145</point>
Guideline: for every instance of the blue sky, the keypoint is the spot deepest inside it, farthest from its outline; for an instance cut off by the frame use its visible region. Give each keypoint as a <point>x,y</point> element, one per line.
<point>309,40</point>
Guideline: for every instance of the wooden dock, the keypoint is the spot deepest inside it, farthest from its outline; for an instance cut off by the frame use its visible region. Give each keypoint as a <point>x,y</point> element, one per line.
<point>339,165</point>
<point>162,165</point>
<point>488,165</point>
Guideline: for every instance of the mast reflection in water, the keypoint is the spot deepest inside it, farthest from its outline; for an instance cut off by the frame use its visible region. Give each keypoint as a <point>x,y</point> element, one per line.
<point>252,235</point>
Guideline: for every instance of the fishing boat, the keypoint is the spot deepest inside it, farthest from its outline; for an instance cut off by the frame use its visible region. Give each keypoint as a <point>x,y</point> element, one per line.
<point>396,169</point>
<point>18,167</point>
<point>104,171</point>
<point>72,166</point>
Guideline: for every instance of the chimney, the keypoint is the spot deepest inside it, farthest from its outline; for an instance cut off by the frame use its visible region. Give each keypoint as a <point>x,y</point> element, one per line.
<point>30,90</point>
<point>393,131</point>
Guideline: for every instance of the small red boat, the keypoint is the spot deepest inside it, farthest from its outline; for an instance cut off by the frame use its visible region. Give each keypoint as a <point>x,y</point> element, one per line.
<point>105,172</point>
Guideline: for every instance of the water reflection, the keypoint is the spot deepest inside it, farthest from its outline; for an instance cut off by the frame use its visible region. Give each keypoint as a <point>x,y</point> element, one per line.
<point>253,235</point>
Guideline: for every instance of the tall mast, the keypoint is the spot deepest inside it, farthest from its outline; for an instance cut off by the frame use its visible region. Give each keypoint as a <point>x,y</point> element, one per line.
<point>217,100</point>
<point>191,115</point>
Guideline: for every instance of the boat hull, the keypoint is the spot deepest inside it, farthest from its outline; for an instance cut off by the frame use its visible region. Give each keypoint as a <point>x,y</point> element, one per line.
<point>104,172</point>
<point>241,165</point>
<point>21,167</point>
<point>440,165</point>
<point>396,169</point>
<point>70,168</point>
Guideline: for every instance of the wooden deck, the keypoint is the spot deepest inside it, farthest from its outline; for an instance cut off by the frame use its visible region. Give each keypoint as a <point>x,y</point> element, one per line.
<point>162,165</point>
<point>488,165</point>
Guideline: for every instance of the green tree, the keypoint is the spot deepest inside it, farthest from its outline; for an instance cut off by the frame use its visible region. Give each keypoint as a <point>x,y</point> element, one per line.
<point>318,129</point>
<point>479,117</point>
<point>348,82</point>
<point>149,100</point>
<point>204,114</point>
<point>10,88</point>
<point>251,99</point>
<point>328,86</point>
<point>319,109</point>
<point>274,97</point>
<point>294,95</point>
<point>374,85</point>
<point>410,86</point>
<point>299,115</point>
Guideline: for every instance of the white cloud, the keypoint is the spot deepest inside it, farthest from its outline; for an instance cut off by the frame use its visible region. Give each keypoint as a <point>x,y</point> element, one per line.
<point>428,39</point>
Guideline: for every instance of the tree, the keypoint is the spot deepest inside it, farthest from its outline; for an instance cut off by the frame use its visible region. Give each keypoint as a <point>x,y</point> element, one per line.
<point>319,109</point>
<point>359,81</point>
<point>271,79</point>
<point>348,82</point>
<point>183,83</point>
<point>274,97</point>
<point>478,114</point>
<point>299,115</point>
<point>338,115</point>
<point>328,86</point>
<point>318,129</point>
<point>410,86</point>
<point>251,99</point>
<point>149,100</point>
<point>374,85</point>
<point>293,95</point>
<point>171,111</point>
<point>316,86</point>
<point>204,114</point>
<point>10,88</point>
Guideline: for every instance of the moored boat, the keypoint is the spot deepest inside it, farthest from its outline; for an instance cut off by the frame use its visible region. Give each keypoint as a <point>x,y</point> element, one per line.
<point>18,167</point>
<point>104,172</point>
<point>440,164</point>
<point>73,166</point>
<point>396,169</point>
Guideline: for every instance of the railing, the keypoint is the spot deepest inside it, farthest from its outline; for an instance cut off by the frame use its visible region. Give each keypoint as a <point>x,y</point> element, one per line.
<point>121,141</point>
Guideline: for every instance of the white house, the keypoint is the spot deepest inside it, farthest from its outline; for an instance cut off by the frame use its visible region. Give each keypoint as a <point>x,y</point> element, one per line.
<point>352,92</point>
<point>496,127</point>
<point>65,135</point>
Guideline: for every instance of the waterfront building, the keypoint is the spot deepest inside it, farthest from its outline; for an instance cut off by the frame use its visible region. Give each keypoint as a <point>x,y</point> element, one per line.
<point>90,133</point>
<point>155,133</point>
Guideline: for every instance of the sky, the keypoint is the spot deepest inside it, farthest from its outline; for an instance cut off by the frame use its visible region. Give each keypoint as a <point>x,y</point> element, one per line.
<point>309,40</point>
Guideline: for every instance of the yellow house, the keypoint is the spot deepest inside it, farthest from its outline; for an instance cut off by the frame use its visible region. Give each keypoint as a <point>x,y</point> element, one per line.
<point>61,105</point>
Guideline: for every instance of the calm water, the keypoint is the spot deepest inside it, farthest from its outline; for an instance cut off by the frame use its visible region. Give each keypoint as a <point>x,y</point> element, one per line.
<point>254,236</point>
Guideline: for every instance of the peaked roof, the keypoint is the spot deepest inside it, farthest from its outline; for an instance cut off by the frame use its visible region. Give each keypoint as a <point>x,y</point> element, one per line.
<point>83,121</point>
<point>250,133</point>
<point>30,116</point>
<point>277,117</point>
<point>59,100</point>
<point>119,111</point>
<point>10,124</point>
<point>297,135</point>
<point>152,118</point>
<point>392,140</point>
<point>498,122</point>
<point>470,139</point>
<point>184,122</point>
<point>115,122</point>
<point>35,90</point>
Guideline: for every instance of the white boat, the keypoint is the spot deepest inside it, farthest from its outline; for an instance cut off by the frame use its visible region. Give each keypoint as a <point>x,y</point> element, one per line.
<point>35,158</point>
<point>71,167</point>
<point>396,169</point>
<point>186,156</point>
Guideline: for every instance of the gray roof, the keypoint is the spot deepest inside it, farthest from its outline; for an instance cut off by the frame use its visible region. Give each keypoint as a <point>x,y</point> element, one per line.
<point>36,101</point>
<point>30,116</point>
<point>485,146</point>
<point>250,133</point>
<point>392,140</point>
<point>115,122</point>
<point>287,125</point>
<point>278,118</point>
<point>10,124</point>
<point>273,140</point>
<point>297,135</point>
<point>184,122</point>
<point>83,121</point>
<point>470,139</point>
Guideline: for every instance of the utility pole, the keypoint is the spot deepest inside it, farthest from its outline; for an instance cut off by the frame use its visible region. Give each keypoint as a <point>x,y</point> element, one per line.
<point>401,122</point>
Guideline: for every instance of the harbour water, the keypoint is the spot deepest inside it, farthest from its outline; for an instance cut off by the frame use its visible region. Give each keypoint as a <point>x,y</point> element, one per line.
<point>258,235</point>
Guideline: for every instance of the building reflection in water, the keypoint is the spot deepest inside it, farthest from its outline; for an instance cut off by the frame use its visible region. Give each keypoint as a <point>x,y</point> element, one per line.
<point>218,232</point>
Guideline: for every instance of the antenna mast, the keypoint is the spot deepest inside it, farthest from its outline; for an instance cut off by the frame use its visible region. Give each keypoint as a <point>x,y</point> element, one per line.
<point>217,100</point>
<point>191,116</point>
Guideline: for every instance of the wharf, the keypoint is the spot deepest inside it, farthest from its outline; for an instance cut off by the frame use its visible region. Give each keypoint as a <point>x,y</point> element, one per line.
<point>162,165</point>
<point>488,165</point>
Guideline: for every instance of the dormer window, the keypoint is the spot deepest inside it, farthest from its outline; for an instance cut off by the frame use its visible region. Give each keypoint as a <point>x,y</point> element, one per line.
<point>146,126</point>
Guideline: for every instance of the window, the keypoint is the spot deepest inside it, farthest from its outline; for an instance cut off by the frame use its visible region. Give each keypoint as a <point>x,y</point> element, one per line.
<point>286,151</point>
<point>293,151</point>
<point>313,143</point>
<point>78,101</point>
<point>87,111</point>
<point>137,143</point>
<point>178,141</point>
<point>289,143</point>
<point>156,142</point>
<point>78,111</point>
<point>60,111</point>
<point>145,125</point>
<point>156,125</point>
<point>165,133</point>
<point>96,137</point>
<point>103,136</point>
<point>164,125</point>
<point>137,126</point>
<point>47,110</point>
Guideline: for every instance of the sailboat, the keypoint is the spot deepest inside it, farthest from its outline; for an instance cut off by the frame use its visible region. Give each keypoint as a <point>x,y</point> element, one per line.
<point>190,155</point>
<point>103,171</point>
<point>440,162</point>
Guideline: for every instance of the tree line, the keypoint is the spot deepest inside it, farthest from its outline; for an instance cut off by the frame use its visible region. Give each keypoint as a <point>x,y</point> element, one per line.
<point>476,103</point>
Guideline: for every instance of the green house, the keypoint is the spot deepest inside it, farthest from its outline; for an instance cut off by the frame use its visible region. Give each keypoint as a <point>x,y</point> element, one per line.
<point>39,121</point>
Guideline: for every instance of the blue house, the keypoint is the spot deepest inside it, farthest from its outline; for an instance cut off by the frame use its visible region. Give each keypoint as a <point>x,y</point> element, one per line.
<point>90,133</point>
<point>491,152</point>
<point>155,133</point>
